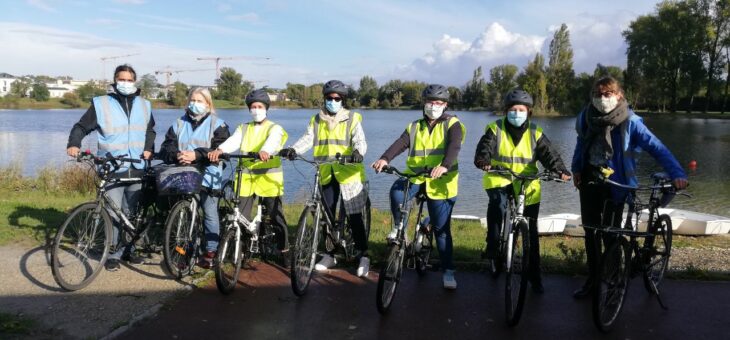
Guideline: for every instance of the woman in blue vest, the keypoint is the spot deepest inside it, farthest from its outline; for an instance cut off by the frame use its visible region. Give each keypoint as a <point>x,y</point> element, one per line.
<point>609,136</point>
<point>125,126</point>
<point>188,142</point>
<point>515,143</point>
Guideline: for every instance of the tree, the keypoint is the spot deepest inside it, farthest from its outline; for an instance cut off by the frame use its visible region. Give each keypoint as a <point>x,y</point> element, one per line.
<point>231,86</point>
<point>534,81</point>
<point>40,92</point>
<point>179,95</point>
<point>389,91</point>
<point>412,93</point>
<point>455,97</point>
<point>560,72</point>
<point>88,91</point>
<point>148,85</point>
<point>71,99</point>
<point>20,87</point>
<point>475,90</point>
<point>502,79</point>
<point>368,91</point>
<point>295,92</point>
<point>714,15</point>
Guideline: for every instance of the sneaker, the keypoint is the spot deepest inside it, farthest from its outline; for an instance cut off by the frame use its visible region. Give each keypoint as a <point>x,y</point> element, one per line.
<point>364,267</point>
<point>393,234</point>
<point>449,280</point>
<point>206,261</point>
<point>325,263</point>
<point>132,258</point>
<point>112,265</point>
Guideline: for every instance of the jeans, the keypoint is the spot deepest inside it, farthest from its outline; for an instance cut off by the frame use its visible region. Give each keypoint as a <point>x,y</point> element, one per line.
<point>496,211</point>
<point>331,194</point>
<point>125,197</point>
<point>439,212</point>
<point>210,220</point>
<point>275,214</point>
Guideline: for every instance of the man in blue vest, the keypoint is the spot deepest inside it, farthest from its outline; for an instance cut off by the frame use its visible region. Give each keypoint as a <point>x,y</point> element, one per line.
<point>125,126</point>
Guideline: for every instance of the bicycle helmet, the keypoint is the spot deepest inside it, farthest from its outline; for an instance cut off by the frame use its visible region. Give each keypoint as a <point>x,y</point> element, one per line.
<point>335,86</point>
<point>260,96</point>
<point>435,92</point>
<point>517,97</point>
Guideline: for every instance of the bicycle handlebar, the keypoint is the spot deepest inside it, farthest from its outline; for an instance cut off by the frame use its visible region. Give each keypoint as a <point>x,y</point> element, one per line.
<point>250,155</point>
<point>543,176</point>
<point>393,170</point>
<point>108,158</point>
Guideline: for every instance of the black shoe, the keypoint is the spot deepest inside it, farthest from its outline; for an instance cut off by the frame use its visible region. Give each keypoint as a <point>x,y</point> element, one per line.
<point>583,291</point>
<point>132,258</point>
<point>537,287</point>
<point>112,265</point>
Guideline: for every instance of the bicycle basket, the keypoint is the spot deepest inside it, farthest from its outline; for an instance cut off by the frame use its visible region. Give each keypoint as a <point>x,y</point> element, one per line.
<point>178,180</point>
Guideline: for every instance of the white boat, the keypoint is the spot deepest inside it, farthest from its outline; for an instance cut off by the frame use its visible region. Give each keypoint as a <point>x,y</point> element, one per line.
<point>556,223</point>
<point>694,223</point>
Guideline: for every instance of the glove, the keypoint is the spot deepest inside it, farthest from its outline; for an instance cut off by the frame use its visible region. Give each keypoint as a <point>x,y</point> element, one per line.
<point>288,153</point>
<point>357,157</point>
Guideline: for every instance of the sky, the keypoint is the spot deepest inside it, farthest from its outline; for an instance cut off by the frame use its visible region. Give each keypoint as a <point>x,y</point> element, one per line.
<point>305,41</point>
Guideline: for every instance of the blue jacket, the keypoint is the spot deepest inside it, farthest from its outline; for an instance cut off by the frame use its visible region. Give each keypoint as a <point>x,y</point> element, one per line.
<point>632,136</point>
<point>190,139</point>
<point>120,134</point>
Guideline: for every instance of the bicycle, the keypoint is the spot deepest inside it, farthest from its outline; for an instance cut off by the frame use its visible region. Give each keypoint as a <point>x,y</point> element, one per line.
<point>624,258</point>
<point>314,217</point>
<point>418,251</point>
<point>241,237</point>
<point>83,242</point>
<point>513,248</point>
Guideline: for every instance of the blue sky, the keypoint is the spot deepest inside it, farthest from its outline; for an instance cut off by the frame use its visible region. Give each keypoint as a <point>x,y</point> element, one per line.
<point>307,41</point>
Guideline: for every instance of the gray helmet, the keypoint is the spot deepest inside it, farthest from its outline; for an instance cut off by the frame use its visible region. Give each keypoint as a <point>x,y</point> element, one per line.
<point>260,96</point>
<point>435,92</point>
<point>335,86</point>
<point>516,97</point>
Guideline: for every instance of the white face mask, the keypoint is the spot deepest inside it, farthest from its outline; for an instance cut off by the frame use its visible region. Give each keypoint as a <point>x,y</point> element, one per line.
<point>258,115</point>
<point>433,111</point>
<point>605,104</point>
<point>126,87</point>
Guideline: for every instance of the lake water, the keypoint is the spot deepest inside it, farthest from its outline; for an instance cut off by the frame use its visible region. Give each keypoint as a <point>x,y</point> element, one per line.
<point>37,138</point>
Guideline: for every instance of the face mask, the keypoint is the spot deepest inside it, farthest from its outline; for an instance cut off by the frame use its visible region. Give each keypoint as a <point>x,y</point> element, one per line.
<point>433,111</point>
<point>605,104</point>
<point>333,106</point>
<point>198,110</point>
<point>516,118</point>
<point>126,87</point>
<point>258,115</point>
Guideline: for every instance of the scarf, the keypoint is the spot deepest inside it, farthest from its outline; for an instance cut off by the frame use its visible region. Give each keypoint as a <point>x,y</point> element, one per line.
<point>333,120</point>
<point>598,134</point>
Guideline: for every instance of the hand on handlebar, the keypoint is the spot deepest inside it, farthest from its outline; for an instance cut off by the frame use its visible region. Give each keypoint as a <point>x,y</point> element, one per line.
<point>288,153</point>
<point>264,156</point>
<point>73,151</point>
<point>379,165</point>
<point>438,171</point>
<point>357,157</point>
<point>186,157</point>
<point>214,155</point>
<point>680,183</point>
<point>147,154</point>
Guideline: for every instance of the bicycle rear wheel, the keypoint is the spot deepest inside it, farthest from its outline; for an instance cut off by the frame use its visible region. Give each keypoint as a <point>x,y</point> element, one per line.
<point>658,249</point>
<point>182,238</point>
<point>518,250</point>
<point>389,278</point>
<point>304,252</point>
<point>612,283</point>
<point>231,257</point>
<point>81,247</point>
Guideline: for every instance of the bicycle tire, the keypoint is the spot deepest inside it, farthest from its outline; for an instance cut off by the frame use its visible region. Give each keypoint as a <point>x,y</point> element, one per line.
<point>612,283</point>
<point>75,244</point>
<point>304,253</point>
<point>516,273</point>
<point>658,250</point>
<point>228,265</point>
<point>181,243</point>
<point>389,278</point>
<point>424,254</point>
<point>496,266</point>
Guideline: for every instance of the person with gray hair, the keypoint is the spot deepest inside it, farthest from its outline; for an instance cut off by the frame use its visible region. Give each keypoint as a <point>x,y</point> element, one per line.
<point>188,142</point>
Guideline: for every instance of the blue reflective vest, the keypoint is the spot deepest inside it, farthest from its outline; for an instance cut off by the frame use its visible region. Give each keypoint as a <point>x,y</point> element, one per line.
<point>120,134</point>
<point>189,139</point>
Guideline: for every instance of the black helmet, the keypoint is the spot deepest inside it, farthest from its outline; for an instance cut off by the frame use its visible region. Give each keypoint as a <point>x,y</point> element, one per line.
<point>516,97</point>
<point>335,86</point>
<point>435,92</point>
<point>260,96</point>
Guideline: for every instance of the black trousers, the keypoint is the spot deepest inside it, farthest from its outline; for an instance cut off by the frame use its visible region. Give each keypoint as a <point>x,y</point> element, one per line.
<point>331,194</point>
<point>597,209</point>
<point>274,213</point>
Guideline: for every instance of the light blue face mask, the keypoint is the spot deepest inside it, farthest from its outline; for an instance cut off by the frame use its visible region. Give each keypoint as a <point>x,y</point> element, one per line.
<point>198,109</point>
<point>333,106</point>
<point>126,87</point>
<point>516,118</point>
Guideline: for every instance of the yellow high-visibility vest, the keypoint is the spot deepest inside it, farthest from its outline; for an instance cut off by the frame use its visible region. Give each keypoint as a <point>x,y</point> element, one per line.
<point>263,179</point>
<point>328,143</point>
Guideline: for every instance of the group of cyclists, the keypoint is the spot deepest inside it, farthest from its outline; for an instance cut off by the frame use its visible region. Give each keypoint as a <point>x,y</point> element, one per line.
<point>609,136</point>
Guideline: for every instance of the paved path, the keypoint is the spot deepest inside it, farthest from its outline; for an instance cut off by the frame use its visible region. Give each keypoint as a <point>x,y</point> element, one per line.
<point>27,288</point>
<point>341,306</point>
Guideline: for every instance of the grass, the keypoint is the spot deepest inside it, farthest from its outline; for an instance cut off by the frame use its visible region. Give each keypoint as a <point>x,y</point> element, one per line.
<point>13,325</point>
<point>32,104</point>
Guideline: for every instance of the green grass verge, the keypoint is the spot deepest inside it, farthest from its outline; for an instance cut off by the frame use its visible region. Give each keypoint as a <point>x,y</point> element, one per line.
<point>14,326</point>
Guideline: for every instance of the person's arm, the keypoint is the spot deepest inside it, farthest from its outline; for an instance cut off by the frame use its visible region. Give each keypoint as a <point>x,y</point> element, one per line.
<point>272,145</point>
<point>220,135</point>
<point>549,157</point>
<point>150,135</point>
<point>576,165</point>
<point>401,144</point>
<point>453,146</point>
<point>486,147</point>
<point>305,142</point>
<point>649,142</point>
<point>169,148</point>
<point>233,143</point>
<point>358,139</point>
<point>82,128</point>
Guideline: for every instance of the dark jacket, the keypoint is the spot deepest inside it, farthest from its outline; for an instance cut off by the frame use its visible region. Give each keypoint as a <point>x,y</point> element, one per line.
<point>169,148</point>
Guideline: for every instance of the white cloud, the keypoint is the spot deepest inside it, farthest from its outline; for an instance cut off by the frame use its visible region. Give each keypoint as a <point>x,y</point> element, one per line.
<point>247,17</point>
<point>41,4</point>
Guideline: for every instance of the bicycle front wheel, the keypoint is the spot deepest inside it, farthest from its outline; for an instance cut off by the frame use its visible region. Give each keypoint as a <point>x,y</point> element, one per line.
<point>305,251</point>
<point>516,272</point>
<point>658,249</point>
<point>230,258</point>
<point>81,246</point>
<point>182,238</point>
<point>389,278</point>
<point>612,283</point>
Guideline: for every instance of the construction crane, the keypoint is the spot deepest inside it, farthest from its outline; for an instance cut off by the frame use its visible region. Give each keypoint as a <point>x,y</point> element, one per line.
<point>103,63</point>
<point>168,73</point>
<point>218,62</point>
